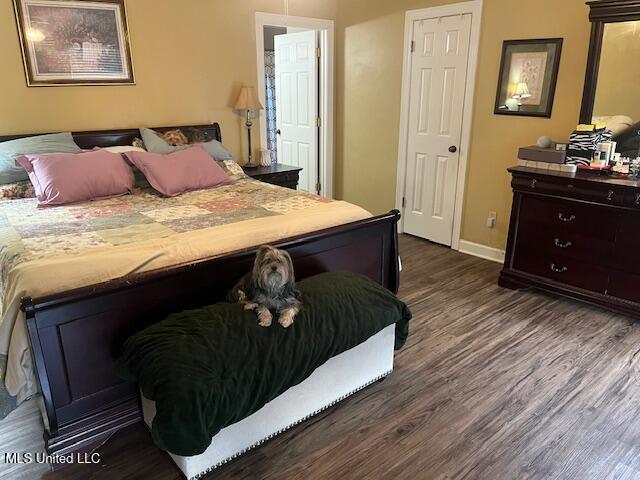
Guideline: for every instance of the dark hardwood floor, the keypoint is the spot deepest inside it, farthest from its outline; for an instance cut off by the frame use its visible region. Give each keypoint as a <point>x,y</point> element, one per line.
<point>492,384</point>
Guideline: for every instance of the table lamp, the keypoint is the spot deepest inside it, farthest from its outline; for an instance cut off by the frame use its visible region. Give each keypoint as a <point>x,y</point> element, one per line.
<point>522,91</point>
<point>248,101</point>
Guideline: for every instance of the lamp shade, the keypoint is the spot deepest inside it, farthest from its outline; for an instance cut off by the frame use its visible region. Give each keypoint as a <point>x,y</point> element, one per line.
<point>248,99</point>
<point>522,90</point>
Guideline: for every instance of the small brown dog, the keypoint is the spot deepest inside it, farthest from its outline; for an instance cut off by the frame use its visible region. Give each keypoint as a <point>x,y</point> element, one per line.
<point>271,285</point>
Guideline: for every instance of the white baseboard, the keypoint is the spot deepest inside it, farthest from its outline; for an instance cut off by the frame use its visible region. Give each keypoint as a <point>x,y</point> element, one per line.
<point>482,251</point>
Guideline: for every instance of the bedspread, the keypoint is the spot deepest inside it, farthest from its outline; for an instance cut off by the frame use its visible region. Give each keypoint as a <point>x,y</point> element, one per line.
<point>49,250</point>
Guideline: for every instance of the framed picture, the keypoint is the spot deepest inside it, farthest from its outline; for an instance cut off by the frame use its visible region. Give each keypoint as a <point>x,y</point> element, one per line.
<point>74,42</point>
<point>528,76</point>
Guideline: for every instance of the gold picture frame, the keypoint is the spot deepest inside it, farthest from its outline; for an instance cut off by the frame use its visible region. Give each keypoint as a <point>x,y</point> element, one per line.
<point>74,42</point>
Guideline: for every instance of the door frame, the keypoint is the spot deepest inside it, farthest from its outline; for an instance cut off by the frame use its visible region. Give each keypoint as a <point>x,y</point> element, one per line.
<point>473,7</point>
<point>326,31</point>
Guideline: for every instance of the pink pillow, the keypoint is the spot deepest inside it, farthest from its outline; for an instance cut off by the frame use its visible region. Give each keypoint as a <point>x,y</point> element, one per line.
<point>181,171</point>
<point>62,178</point>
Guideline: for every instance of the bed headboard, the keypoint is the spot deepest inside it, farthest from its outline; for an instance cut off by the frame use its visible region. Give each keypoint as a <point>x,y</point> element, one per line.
<point>108,138</point>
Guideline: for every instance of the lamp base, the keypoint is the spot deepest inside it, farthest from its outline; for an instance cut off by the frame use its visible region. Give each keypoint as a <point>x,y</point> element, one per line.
<point>250,166</point>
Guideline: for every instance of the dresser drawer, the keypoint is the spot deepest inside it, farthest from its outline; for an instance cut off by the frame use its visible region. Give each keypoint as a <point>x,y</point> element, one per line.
<point>624,285</point>
<point>562,269</point>
<point>292,185</point>
<point>632,199</point>
<point>535,238</point>
<point>564,217</point>
<point>570,188</point>
<point>289,177</point>
<point>289,180</point>
<point>276,174</point>
<point>627,256</point>
<point>279,178</point>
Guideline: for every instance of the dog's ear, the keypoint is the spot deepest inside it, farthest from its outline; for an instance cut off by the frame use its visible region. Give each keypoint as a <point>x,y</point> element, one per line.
<point>290,272</point>
<point>262,251</point>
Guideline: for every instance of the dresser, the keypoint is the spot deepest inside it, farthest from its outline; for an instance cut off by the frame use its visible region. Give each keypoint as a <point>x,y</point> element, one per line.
<point>577,235</point>
<point>276,174</point>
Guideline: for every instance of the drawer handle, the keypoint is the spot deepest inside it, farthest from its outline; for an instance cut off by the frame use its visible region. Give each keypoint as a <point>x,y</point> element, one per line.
<point>610,195</point>
<point>559,244</point>
<point>533,183</point>
<point>637,198</point>
<point>564,218</point>
<point>557,269</point>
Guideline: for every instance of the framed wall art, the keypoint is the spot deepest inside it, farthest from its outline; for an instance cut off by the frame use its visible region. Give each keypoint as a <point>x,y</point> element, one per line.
<point>67,42</point>
<point>528,76</point>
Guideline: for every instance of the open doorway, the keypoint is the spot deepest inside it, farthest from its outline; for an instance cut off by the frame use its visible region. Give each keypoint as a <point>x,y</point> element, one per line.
<point>295,84</point>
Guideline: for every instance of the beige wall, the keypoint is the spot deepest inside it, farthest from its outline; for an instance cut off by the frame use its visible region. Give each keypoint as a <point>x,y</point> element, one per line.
<point>370,37</point>
<point>619,74</point>
<point>190,58</point>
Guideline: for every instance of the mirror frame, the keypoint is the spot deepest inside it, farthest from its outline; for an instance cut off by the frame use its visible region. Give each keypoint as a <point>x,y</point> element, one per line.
<point>602,12</point>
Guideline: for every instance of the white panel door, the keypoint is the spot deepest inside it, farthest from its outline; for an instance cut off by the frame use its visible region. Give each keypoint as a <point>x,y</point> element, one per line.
<point>438,80</point>
<point>296,67</point>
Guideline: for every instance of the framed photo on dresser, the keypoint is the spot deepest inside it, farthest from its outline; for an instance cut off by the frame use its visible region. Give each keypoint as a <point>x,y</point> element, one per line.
<point>73,42</point>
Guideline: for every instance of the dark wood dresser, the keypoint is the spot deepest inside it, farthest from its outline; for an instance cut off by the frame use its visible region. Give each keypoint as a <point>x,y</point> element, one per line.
<point>577,235</point>
<point>276,174</point>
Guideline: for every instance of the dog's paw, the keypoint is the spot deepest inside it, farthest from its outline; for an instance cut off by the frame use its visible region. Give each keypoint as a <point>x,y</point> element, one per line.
<point>286,318</point>
<point>250,306</point>
<point>265,318</point>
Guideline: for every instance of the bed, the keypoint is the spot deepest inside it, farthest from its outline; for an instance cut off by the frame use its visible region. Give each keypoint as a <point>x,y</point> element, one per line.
<point>78,280</point>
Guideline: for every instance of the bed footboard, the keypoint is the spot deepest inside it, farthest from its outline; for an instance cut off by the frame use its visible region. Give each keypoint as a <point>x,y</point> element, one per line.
<point>75,336</point>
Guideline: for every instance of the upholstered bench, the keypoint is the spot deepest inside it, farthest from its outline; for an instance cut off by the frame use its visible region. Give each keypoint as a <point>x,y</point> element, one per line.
<point>214,384</point>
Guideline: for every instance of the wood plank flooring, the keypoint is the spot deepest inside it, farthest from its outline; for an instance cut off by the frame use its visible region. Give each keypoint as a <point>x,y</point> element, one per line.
<point>492,384</point>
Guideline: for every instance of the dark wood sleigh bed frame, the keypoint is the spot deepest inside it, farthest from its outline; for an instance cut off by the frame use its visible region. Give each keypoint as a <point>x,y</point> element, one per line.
<point>75,335</point>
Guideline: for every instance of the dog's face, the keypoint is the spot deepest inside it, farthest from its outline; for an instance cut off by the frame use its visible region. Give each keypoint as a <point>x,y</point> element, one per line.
<point>175,137</point>
<point>273,269</point>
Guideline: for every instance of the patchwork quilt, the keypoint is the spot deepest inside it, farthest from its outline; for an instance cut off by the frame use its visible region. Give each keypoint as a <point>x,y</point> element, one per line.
<point>28,232</point>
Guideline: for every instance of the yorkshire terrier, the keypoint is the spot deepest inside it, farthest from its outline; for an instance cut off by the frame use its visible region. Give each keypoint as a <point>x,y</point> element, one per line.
<point>271,285</point>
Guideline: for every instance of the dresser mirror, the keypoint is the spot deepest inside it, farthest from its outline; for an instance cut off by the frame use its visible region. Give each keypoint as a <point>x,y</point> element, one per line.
<point>619,72</point>
<point>611,91</point>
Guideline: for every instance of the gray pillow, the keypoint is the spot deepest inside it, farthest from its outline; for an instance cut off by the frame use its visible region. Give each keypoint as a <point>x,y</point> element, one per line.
<point>154,143</point>
<point>9,151</point>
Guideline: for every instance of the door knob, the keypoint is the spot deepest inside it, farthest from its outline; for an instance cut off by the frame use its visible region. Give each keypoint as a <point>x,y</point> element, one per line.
<point>278,132</point>
<point>453,149</point>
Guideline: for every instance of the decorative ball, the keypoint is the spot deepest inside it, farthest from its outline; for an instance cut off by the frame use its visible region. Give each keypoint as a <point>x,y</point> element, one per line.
<point>545,142</point>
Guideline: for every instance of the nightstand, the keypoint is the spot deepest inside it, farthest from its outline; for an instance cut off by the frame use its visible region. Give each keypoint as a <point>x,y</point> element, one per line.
<point>276,174</point>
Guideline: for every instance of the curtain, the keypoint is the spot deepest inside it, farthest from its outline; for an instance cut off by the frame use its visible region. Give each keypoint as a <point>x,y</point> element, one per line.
<point>270,107</point>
